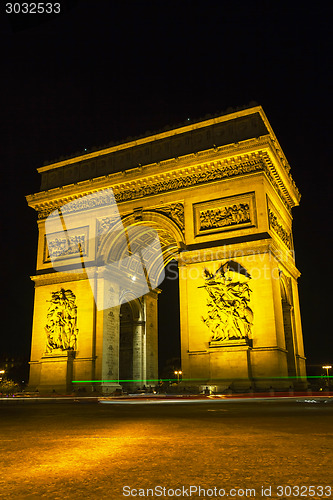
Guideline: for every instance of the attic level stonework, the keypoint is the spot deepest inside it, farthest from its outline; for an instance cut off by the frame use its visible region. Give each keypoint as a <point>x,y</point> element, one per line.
<point>154,149</point>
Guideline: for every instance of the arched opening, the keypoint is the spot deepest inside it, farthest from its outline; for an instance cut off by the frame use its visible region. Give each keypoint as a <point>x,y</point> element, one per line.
<point>131,345</point>
<point>126,343</point>
<point>287,311</point>
<point>169,352</point>
<point>139,255</point>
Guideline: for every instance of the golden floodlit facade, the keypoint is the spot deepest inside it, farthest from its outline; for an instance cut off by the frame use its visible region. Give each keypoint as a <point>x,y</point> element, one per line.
<point>217,197</point>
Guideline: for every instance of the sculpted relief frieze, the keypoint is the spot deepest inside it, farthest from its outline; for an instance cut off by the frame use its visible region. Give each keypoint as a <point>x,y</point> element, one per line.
<point>74,244</point>
<point>182,178</point>
<point>225,214</point>
<point>185,178</point>
<point>104,226</point>
<point>279,228</point>
<point>175,212</point>
<point>78,203</point>
<point>164,182</point>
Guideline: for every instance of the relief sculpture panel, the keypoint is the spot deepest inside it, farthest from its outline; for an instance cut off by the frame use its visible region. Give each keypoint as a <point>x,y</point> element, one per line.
<point>73,244</point>
<point>279,229</point>
<point>61,325</point>
<point>226,214</point>
<point>229,316</point>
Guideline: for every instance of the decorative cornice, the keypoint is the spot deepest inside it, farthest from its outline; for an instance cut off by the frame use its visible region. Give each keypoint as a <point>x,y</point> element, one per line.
<point>184,178</point>
<point>149,185</point>
<point>279,181</point>
<point>59,277</point>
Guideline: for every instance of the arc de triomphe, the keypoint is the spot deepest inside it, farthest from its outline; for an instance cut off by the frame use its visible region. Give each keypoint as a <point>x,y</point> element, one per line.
<point>216,196</point>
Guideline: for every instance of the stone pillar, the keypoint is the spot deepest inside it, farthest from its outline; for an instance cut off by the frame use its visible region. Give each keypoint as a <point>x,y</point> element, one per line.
<point>138,354</point>
<point>110,361</point>
<point>151,344</point>
<point>107,337</point>
<point>198,358</point>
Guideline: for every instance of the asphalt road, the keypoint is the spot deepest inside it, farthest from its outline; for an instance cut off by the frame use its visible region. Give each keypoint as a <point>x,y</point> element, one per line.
<point>99,451</point>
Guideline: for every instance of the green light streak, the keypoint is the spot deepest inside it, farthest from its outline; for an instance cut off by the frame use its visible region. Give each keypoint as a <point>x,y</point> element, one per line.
<point>195,379</point>
<point>125,380</point>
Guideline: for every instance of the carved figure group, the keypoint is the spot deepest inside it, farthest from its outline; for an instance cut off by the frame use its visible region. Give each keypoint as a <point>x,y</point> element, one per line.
<point>226,216</point>
<point>66,246</point>
<point>229,315</point>
<point>279,229</point>
<point>61,327</point>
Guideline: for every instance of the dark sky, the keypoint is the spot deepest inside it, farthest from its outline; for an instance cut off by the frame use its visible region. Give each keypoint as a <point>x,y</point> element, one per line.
<point>105,70</point>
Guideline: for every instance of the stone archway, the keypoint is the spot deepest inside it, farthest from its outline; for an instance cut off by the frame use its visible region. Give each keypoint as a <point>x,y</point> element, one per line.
<point>132,345</point>
<point>126,341</point>
<point>288,326</point>
<point>156,240</point>
<point>136,228</point>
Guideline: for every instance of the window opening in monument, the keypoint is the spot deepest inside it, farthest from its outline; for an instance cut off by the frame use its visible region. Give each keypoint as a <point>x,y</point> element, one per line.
<point>169,358</point>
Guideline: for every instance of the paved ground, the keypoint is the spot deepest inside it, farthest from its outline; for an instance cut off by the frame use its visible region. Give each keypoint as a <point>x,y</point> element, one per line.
<point>91,451</point>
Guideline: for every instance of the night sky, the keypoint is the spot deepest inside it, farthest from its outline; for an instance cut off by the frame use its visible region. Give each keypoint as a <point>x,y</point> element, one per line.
<point>102,71</point>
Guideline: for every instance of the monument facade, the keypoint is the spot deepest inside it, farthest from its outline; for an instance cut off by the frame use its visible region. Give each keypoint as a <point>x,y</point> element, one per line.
<point>217,196</point>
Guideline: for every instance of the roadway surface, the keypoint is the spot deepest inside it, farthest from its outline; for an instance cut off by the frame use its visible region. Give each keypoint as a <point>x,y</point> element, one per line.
<point>88,450</point>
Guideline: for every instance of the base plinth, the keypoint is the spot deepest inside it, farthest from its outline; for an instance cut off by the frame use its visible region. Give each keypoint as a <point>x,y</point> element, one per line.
<point>57,371</point>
